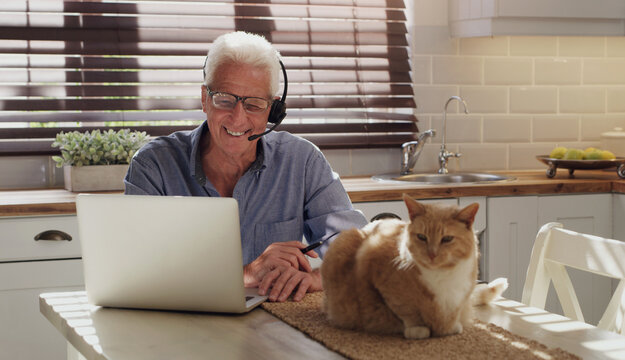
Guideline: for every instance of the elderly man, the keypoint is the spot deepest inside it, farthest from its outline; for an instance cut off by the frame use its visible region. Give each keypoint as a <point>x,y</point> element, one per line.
<point>284,186</point>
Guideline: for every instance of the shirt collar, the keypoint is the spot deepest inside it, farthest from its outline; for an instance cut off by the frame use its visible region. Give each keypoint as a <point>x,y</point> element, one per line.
<point>195,159</point>
<point>196,156</point>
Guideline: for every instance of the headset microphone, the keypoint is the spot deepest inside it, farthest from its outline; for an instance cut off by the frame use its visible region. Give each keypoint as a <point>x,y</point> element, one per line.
<point>278,108</point>
<point>254,137</point>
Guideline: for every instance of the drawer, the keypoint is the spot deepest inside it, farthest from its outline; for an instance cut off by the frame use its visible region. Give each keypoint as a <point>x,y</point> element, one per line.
<point>25,333</point>
<point>17,239</point>
<point>45,275</point>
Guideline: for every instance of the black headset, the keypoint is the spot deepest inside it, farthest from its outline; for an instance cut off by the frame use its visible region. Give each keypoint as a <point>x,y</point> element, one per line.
<point>278,107</point>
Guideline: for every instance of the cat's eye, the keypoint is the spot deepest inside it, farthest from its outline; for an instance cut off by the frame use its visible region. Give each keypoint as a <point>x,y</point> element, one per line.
<point>422,237</point>
<point>447,238</point>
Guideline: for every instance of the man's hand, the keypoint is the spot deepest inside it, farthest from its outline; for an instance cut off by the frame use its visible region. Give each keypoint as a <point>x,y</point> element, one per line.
<point>281,282</point>
<point>279,255</point>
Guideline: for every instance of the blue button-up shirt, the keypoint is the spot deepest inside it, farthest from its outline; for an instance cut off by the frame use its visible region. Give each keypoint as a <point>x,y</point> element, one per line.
<point>290,191</point>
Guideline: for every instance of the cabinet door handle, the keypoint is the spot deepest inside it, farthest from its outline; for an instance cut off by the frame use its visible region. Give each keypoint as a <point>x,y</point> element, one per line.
<point>53,235</point>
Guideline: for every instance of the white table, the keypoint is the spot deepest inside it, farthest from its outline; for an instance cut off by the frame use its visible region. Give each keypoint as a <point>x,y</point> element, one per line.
<point>104,333</point>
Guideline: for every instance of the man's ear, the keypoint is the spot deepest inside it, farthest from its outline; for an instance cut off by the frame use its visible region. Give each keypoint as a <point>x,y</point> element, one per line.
<point>204,98</point>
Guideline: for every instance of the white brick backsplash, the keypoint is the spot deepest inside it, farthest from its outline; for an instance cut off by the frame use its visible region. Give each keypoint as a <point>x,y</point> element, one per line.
<point>456,70</point>
<point>482,157</point>
<point>340,160</point>
<point>491,99</point>
<point>615,99</point>
<point>523,156</point>
<point>461,128</point>
<point>503,128</point>
<point>555,128</point>
<point>534,100</point>
<point>489,46</point>
<point>615,46</point>
<point>558,71</point>
<point>508,71</point>
<point>594,125</point>
<point>582,46</point>
<point>431,99</point>
<point>533,46</point>
<point>430,12</point>
<point>26,172</point>
<point>604,71</point>
<point>375,161</point>
<point>422,69</point>
<point>428,160</point>
<point>582,100</point>
<point>433,40</point>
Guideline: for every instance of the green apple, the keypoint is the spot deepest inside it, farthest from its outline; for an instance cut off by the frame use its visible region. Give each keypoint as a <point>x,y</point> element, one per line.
<point>574,154</point>
<point>558,153</point>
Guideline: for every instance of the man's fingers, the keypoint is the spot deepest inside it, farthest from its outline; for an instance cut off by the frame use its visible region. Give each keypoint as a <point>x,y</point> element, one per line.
<point>280,282</point>
<point>290,286</point>
<point>303,287</point>
<point>267,281</point>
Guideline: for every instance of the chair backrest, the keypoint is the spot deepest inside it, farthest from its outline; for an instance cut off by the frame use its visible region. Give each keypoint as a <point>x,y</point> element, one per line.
<point>556,247</point>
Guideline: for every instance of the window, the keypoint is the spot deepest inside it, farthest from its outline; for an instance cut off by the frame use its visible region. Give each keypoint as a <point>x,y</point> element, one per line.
<point>84,64</point>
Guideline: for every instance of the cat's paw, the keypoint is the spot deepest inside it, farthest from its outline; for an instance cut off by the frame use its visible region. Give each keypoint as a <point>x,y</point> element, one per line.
<point>417,332</point>
<point>456,329</point>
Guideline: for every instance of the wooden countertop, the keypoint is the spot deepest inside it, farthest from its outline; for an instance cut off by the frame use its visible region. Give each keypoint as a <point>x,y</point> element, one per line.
<point>363,189</point>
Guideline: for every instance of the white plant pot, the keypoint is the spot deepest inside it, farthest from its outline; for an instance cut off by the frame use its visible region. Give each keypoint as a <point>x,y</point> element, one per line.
<point>94,177</point>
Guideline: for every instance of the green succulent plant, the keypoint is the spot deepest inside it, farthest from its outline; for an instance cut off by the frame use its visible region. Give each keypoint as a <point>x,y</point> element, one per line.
<point>98,148</point>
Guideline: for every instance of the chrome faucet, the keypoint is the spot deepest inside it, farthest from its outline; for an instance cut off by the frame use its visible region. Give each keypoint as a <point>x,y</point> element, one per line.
<point>443,155</point>
<point>412,149</point>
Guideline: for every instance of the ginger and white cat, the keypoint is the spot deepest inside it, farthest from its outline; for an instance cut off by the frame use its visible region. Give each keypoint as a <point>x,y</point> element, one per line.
<point>415,278</point>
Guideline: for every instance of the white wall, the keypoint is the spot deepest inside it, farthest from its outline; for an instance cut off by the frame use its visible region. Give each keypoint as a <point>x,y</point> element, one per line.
<point>525,95</point>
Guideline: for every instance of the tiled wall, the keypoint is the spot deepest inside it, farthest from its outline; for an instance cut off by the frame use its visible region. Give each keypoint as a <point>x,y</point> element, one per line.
<point>525,96</point>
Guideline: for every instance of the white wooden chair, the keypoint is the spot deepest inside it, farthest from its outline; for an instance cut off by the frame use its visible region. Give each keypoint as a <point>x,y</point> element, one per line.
<point>556,247</point>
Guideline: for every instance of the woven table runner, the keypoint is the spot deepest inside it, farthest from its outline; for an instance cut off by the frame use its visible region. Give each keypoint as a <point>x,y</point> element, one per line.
<point>481,341</point>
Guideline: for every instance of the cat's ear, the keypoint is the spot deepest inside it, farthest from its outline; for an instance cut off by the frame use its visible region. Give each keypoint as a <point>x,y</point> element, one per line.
<point>414,207</point>
<point>467,215</point>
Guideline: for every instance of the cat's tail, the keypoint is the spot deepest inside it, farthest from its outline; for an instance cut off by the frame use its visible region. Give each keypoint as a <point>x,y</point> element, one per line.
<point>485,293</point>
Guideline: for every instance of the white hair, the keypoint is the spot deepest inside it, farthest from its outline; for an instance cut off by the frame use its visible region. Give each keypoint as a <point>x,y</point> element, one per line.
<point>243,48</point>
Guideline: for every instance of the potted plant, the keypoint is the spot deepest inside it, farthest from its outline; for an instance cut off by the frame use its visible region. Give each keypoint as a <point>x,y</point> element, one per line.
<point>95,160</point>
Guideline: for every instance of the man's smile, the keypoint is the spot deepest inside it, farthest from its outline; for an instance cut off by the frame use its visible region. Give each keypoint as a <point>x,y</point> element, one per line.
<point>235,133</point>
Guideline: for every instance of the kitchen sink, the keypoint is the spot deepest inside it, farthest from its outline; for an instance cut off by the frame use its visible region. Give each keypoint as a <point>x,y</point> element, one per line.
<point>451,178</point>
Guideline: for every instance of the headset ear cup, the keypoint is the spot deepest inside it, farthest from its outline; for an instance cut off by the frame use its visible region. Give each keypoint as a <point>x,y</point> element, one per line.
<point>277,112</point>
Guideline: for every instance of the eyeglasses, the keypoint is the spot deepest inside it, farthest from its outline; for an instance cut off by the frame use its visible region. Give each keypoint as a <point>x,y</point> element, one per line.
<point>227,101</point>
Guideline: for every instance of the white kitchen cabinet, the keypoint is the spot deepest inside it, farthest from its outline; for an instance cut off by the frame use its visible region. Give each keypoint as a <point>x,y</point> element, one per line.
<point>471,18</point>
<point>512,226</point>
<point>618,217</point>
<point>27,269</point>
<point>590,214</point>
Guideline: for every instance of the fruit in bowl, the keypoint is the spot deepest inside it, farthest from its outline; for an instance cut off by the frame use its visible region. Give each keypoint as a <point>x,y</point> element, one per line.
<point>607,155</point>
<point>558,152</point>
<point>589,153</point>
<point>573,154</point>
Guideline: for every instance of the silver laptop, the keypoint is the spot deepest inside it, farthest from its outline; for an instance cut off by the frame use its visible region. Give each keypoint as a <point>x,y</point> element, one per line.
<point>163,252</point>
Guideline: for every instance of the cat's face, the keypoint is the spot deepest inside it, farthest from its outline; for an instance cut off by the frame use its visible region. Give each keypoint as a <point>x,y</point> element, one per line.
<point>441,236</point>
